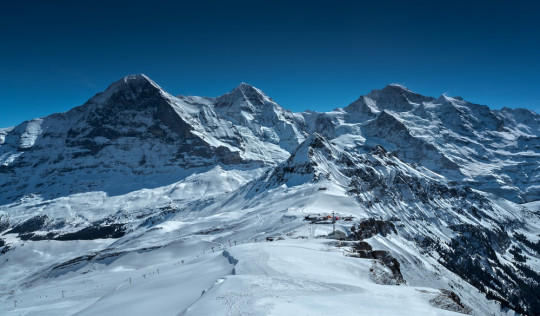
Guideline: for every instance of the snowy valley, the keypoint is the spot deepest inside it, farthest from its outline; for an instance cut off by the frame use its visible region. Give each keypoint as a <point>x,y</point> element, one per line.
<point>141,202</point>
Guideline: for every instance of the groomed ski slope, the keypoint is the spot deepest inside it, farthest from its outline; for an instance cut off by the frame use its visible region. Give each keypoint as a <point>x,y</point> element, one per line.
<point>306,277</point>
<point>289,277</point>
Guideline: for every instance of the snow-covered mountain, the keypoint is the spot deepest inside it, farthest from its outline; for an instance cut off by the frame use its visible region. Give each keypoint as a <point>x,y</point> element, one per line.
<point>138,190</point>
<point>135,135</point>
<point>494,151</point>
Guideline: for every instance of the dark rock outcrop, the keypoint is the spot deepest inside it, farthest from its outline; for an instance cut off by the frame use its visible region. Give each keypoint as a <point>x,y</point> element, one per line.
<point>31,225</point>
<point>96,232</point>
<point>371,227</point>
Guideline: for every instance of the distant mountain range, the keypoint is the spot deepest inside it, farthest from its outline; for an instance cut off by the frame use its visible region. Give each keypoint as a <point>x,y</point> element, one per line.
<point>458,182</point>
<point>135,130</point>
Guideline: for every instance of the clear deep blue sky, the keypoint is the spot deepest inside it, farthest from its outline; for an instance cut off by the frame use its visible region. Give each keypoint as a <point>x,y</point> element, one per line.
<point>317,55</point>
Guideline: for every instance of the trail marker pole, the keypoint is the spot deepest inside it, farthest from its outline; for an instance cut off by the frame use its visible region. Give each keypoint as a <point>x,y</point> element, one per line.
<point>334,222</point>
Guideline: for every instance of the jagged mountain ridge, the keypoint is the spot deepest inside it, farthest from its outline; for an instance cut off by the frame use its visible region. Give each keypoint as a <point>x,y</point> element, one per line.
<point>147,132</point>
<point>489,149</point>
<point>137,132</point>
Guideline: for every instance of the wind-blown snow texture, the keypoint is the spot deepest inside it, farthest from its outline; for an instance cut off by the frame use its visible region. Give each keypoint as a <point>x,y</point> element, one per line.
<point>142,202</point>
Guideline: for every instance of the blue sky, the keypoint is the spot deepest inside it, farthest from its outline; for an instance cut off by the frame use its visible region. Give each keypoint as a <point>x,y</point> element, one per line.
<point>319,55</point>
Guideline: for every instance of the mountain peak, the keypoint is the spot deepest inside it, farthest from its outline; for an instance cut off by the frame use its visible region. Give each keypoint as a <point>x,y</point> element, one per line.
<point>247,90</point>
<point>136,77</point>
<point>307,149</point>
<point>134,81</point>
<point>316,140</point>
<point>129,88</point>
<point>244,85</point>
<point>243,93</point>
<point>395,87</point>
<point>396,97</point>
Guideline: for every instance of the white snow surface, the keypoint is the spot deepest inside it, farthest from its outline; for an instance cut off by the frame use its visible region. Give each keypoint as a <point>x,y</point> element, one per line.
<point>199,184</point>
<point>174,270</point>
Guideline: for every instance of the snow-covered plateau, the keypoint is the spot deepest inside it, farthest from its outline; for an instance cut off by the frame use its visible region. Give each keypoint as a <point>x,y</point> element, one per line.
<point>143,203</point>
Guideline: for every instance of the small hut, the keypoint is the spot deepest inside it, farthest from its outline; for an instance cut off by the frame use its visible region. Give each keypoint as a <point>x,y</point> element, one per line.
<point>337,234</point>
